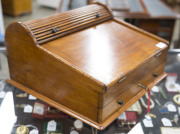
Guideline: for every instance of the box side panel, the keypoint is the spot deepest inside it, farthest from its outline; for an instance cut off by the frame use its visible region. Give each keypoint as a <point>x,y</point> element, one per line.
<point>36,69</point>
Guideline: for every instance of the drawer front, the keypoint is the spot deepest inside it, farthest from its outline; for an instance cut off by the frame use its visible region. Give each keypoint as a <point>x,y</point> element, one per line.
<point>129,88</point>
<point>144,73</point>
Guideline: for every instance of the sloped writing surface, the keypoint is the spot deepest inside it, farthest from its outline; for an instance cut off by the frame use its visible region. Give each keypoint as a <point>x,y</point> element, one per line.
<point>105,51</point>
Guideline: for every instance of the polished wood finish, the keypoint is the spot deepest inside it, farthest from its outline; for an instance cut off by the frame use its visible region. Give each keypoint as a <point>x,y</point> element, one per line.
<point>40,63</point>
<point>128,88</point>
<point>84,61</point>
<point>108,73</point>
<point>16,7</point>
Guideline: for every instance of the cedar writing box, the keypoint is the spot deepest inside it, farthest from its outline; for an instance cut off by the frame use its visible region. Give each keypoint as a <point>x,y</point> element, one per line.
<point>85,62</point>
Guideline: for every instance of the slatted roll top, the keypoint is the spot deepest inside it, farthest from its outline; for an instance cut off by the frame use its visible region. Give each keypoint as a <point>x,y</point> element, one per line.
<point>59,25</point>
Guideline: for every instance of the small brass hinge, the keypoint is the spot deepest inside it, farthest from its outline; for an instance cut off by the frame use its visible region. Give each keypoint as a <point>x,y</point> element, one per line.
<point>122,79</point>
<point>158,54</point>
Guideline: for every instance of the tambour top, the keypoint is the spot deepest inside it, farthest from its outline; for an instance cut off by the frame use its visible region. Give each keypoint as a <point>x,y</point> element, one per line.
<point>59,25</point>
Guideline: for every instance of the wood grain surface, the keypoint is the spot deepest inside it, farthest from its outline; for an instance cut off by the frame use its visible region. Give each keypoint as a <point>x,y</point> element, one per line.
<point>81,72</point>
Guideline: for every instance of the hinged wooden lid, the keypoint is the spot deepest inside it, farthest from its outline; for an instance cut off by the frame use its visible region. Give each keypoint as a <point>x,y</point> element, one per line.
<point>107,51</point>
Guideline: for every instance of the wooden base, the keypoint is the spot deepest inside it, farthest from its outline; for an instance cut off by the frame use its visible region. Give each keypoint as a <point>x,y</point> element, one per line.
<point>79,116</point>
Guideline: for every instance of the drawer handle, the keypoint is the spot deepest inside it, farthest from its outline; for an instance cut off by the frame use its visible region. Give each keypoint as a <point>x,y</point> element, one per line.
<point>122,79</point>
<point>120,102</point>
<point>144,87</point>
<point>54,30</point>
<point>155,75</point>
<point>98,15</point>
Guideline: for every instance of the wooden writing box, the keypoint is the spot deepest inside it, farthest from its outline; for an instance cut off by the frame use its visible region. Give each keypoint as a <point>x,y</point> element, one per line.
<point>84,62</point>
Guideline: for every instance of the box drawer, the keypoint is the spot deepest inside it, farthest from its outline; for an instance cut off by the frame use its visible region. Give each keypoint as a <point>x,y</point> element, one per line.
<point>128,86</point>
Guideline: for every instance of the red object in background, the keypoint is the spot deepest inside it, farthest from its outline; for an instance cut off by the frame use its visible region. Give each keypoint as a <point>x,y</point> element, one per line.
<point>127,120</point>
<point>131,116</point>
<point>38,110</point>
<point>149,103</point>
<point>128,116</point>
<point>42,110</point>
<point>52,112</point>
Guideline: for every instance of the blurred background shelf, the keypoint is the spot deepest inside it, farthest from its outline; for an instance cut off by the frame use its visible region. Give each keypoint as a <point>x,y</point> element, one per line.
<point>16,7</point>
